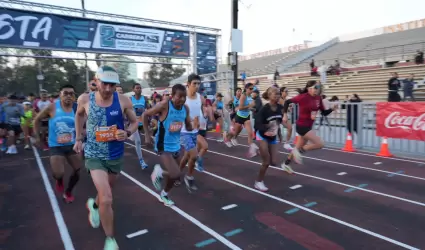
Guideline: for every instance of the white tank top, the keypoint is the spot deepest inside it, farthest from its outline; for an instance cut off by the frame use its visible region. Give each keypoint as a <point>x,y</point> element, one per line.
<point>194,106</point>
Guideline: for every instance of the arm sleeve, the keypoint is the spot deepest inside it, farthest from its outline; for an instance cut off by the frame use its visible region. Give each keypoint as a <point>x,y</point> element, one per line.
<point>286,105</point>
<point>259,120</point>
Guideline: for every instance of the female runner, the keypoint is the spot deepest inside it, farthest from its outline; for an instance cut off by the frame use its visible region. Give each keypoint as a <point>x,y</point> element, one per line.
<point>233,107</point>
<point>218,112</point>
<point>287,125</point>
<point>267,125</point>
<point>309,103</point>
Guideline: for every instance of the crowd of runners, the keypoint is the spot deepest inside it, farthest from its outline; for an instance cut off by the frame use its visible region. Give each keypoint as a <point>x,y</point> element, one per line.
<point>91,130</point>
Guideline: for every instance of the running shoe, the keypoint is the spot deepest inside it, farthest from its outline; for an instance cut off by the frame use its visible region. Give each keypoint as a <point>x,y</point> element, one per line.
<point>11,150</point>
<point>234,141</point>
<point>143,164</point>
<point>297,156</point>
<point>287,146</point>
<point>68,197</point>
<point>59,186</point>
<point>177,183</point>
<point>156,177</point>
<point>94,218</point>
<point>167,202</point>
<point>287,168</point>
<point>260,186</point>
<point>190,184</point>
<point>199,164</point>
<point>27,147</point>
<point>228,143</point>
<point>110,244</point>
<point>252,151</point>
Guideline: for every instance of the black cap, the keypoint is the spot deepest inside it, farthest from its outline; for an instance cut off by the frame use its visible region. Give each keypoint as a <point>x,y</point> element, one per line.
<point>219,95</point>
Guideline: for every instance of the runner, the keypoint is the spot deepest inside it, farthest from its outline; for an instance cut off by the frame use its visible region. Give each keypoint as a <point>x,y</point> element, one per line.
<point>61,139</point>
<point>140,103</point>
<point>12,111</point>
<point>242,118</point>
<point>104,149</point>
<point>267,125</point>
<point>287,125</point>
<point>309,103</point>
<point>233,107</point>
<point>172,114</point>
<point>119,90</point>
<point>218,113</point>
<point>27,123</point>
<point>190,138</point>
<point>41,104</point>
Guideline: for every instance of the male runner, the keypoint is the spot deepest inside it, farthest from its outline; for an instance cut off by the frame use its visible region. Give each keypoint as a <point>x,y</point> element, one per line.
<point>40,105</point>
<point>119,89</point>
<point>140,103</point>
<point>172,114</point>
<point>12,111</point>
<point>190,138</point>
<point>61,139</point>
<point>104,150</point>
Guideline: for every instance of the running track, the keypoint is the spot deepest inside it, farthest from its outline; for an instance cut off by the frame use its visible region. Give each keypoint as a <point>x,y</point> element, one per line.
<point>335,201</point>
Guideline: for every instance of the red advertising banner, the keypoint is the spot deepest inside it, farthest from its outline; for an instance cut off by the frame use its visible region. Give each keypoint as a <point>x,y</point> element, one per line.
<point>404,120</point>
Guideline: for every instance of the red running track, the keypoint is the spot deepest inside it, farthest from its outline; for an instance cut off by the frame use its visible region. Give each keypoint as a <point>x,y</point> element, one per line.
<point>386,213</point>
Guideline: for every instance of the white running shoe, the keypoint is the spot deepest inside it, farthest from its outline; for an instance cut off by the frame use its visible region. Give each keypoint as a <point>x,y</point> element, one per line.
<point>234,141</point>
<point>287,146</point>
<point>252,151</point>
<point>287,168</point>
<point>297,156</point>
<point>260,186</point>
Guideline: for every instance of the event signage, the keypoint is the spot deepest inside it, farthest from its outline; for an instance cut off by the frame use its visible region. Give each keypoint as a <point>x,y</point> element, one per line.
<point>206,62</point>
<point>35,30</point>
<point>404,120</point>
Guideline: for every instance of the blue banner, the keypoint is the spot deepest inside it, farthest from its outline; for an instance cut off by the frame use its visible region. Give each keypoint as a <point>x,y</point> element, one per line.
<point>35,30</point>
<point>206,59</point>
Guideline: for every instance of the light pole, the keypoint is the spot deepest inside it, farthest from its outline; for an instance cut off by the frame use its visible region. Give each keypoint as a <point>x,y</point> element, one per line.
<point>235,5</point>
<point>83,6</point>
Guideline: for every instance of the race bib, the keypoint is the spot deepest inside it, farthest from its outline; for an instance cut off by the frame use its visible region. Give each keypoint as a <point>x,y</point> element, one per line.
<point>175,126</point>
<point>273,128</point>
<point>64,138</point>
<point>14,120</point>
<point>106,134</point>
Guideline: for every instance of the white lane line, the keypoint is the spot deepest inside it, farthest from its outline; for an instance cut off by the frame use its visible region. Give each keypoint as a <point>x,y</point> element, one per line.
<point>295,187</point>
<point>60,222</point>
<point>229,207</point>
<point>316,213</point>
<point>138,233</point>
<point>377,163</point>
<point>342,173</point>
<point>365,154</point>
<point>327,180</point>
<point>398,243</point>
<point>349,165</point>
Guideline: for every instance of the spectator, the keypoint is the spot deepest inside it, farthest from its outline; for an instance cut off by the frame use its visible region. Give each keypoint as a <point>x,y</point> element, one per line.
<point>326,105</point>
<point>276,75</point>
<point>393,87</point>
<point>352,108</point>
<point>337,68</point>
<point>408,86</point>
<point>419,57</point>
<point>322,70</point>
<point>243,76</point>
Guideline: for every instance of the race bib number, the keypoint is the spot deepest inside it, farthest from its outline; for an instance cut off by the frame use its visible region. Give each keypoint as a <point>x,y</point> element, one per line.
<point>106,134</point>
<point>273,128</point>
<point>14,120</point>
<point>64,138</point>
<point>175,126</point>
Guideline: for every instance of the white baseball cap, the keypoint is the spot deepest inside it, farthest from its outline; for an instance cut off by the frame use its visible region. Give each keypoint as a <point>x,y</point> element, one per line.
<point>107,74</point>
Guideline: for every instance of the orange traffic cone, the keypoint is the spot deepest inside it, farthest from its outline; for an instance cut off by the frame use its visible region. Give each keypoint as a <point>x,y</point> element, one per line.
<point>217,127</point>
<point>296,139</point>
<point>349,144</point>
<point>385,152</point>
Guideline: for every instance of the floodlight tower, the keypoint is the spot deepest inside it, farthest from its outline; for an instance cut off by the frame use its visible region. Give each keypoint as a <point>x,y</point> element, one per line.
<point>234,55</point>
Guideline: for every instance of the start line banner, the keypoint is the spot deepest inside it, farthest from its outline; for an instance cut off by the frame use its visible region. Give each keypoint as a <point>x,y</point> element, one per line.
<point>35,30</point>
<point>404,120</point>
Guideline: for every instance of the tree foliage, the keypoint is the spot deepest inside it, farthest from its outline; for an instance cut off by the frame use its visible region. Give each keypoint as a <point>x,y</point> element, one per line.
<point>20,76</point>
<point>160,74</point>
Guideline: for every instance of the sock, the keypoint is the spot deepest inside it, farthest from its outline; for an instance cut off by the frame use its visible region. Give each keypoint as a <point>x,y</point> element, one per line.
<point>73,179</point>
<point>138,143</point>
<point>163,193</point>
<point>59,180</point>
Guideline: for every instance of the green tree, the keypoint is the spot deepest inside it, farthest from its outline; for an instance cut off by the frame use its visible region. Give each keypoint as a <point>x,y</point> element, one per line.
<point>163,71</point>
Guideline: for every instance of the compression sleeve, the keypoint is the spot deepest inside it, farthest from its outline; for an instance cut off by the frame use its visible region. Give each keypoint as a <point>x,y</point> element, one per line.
<point>259,119</point>
<point>286,105</point>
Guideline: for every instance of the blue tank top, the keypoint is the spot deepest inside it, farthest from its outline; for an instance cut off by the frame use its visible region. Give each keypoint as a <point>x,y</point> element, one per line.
<point>219,105</point>
<point>61,127</point>
<point>244,113</point>
<point>139,107</point>
<point>101,126</point>
<point>167,138</point>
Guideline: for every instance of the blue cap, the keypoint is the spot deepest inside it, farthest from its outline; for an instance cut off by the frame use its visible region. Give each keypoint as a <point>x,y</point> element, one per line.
<point>107,74</point>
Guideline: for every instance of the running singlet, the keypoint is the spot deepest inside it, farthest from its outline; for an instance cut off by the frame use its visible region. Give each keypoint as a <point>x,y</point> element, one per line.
<point>244,113</point>
<point>219,105</point>
<point>61,127</point>
<point>194,106</point>
<point>12,113</point>
<point>42,104</point>
<point>102,123</point>
<point>167,138</point>
<point>308,106</point>
<point>27,116</point>
<point>269,121</point>
<point>139,107</point>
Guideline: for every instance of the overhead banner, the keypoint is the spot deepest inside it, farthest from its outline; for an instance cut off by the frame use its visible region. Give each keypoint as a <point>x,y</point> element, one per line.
<point>404,120</point>
<point>35,30</point>
<point>206,60</point>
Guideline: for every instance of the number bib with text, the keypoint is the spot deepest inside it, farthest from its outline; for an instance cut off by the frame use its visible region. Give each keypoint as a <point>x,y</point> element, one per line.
<point>106,134</point>
<point>175,126</point>
<point>64,138</point>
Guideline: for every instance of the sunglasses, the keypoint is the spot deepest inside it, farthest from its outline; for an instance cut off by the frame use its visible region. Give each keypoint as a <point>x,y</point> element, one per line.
<point>314,87</point>
<point>251,88</point>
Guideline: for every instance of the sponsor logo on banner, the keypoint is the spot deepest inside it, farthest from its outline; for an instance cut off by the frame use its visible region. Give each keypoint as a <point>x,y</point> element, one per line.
<point>404,120</point>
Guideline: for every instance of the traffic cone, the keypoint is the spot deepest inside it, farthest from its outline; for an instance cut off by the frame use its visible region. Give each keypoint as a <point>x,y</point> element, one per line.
<point>296,139</point>
<point>385,152</point>
<point>217,127</point>
<point>348,144</point>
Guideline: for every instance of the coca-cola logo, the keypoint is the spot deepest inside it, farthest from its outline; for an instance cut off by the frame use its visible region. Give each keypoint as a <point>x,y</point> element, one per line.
<point>408,123</point>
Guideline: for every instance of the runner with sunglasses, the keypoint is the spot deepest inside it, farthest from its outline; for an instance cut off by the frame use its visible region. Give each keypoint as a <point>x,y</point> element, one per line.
<point>309,103</point>
<point>242,118</point>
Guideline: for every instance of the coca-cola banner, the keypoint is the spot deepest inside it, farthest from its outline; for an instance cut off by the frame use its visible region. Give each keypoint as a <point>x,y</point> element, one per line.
<point>404,120</point>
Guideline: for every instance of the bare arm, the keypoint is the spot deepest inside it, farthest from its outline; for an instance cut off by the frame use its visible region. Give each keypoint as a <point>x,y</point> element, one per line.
<point>242,101</point>
<point>80,116</point>
<point>129,112</point>
<point>158,108</point>
<point>187,121</point>
<point>45,113</point>
<point>210,115</point>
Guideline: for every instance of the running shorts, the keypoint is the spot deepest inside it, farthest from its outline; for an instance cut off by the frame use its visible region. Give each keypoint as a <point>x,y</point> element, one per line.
<point>62,150</point>
<point>188,140</point>
<point>202,133</point>
<point>258,137</point>
<point>242,120</point>
<point>302,130</point>
<point>109,166</point>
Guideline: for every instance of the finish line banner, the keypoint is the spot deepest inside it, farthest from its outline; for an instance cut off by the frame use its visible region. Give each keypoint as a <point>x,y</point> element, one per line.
<point>35,30</point>
<point>404,120</point>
